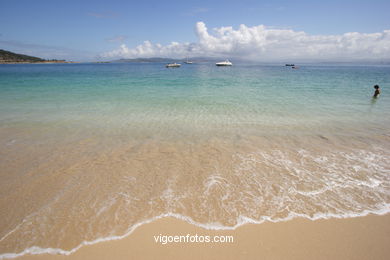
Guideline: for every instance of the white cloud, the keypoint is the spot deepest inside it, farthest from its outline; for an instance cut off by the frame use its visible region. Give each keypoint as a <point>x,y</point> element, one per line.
<point>262,43</point>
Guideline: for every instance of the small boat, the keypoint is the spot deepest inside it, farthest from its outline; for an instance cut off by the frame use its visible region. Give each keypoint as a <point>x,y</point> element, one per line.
<point>290,65</point>
<point>224,63</point>
<point>295,67</point>
<point>173,65</point>
<point>188,61</point>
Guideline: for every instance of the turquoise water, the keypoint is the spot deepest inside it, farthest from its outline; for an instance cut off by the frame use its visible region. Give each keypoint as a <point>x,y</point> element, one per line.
<point>198,97</point>
<point>89,152</point>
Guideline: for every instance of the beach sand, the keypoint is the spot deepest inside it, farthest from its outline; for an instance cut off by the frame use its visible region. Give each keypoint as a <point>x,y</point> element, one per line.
<point>353,238</point>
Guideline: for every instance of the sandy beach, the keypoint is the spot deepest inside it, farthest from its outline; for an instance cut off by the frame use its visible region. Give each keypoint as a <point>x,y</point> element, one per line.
<point>267,140</point>
<point>354,238</point>
<point>89,152</point>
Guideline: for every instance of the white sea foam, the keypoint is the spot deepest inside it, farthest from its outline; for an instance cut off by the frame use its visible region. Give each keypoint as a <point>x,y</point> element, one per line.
<point>331,176</point>
<point>242,220</point>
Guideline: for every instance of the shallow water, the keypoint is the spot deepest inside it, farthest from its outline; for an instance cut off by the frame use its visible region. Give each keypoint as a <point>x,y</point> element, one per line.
<point>90,151</point>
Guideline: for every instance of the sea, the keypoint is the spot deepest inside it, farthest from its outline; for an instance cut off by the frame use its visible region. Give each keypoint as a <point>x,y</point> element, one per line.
<point>91,151</point>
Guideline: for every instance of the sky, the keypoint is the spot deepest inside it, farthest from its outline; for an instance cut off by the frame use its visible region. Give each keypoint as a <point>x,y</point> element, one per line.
<point>331,30</point>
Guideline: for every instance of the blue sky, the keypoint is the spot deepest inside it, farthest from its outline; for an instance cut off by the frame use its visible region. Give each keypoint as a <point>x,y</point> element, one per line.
<point>85,29</point>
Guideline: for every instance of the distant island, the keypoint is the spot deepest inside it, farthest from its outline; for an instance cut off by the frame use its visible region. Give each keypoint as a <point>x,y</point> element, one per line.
<point>7,57</point>
<point>137,60</point>
<point>165,60</point>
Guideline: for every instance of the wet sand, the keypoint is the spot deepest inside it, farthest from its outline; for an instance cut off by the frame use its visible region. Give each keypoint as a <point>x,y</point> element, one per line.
<point>353,238</point>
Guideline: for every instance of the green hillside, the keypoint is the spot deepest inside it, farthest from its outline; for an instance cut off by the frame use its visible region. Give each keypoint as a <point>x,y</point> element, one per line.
<point>10,57</point>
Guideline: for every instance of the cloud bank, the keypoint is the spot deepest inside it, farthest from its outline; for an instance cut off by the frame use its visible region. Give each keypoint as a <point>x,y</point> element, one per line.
<point>260,43</point>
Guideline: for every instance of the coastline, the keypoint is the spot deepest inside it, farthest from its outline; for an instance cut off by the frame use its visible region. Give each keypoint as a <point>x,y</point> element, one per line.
<point>39,62</point>
<point>351,238</point>
<point>89,151</point>
<point>71,62</point>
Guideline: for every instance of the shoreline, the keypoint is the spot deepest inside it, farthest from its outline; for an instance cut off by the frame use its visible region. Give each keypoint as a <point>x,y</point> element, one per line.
<point>369,233</point>
<point>89,153</point>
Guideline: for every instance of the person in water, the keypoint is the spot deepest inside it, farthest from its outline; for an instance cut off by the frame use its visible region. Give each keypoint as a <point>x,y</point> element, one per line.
<point>377,91</point>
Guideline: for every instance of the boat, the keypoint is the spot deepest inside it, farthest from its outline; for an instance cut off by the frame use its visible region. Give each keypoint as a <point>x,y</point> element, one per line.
<point>290,65</point>
<point>173,65</point>
<point>188,61</point>
<point>224,63</point>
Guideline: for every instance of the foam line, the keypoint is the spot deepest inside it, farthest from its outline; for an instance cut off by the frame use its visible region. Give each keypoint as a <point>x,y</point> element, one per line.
<point>242,220</point>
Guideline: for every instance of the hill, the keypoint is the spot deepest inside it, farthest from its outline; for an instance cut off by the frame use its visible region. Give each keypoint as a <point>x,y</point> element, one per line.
<point>11,57</point>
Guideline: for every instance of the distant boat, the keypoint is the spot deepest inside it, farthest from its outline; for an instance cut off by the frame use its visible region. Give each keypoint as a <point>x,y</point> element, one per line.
<point>224,63</point>
<point>290,65</point>
<point>173,65</point>
<point>295,67</point>
<point>188,61</point>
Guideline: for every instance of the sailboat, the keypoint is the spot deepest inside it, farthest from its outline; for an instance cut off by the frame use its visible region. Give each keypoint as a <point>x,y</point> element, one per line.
<point>188,62</point>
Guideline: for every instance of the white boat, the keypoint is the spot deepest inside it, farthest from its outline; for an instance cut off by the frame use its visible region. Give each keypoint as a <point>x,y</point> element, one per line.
<point>188,61</point>
<point>173,65</point>
<point>224,63</point>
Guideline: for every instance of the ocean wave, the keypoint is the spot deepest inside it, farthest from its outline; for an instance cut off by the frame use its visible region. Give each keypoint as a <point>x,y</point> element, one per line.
<point>242,220</point>
<point>252,187</point>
